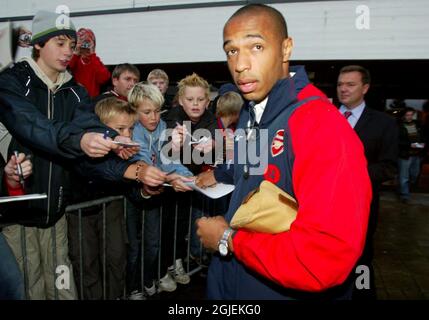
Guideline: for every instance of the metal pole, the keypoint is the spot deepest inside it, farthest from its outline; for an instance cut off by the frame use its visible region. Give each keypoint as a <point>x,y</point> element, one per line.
<point>25,261</point>
<point>80,235</point>
<point>160,243</point>
<point>143,212</point>
<point>188,250</point>
<point>124,226</point>
<point>55,258</point>
<point>104,251</point>
<point>175,234</point>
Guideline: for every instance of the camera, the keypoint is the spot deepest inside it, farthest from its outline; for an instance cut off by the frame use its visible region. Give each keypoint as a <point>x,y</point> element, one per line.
<point>25,38</point>
<point>85,45</point>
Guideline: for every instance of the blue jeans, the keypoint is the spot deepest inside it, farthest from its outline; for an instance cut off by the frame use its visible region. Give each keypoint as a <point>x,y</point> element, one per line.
<point>151,235</point>
<point>11,281</point>
<point>409,170</point>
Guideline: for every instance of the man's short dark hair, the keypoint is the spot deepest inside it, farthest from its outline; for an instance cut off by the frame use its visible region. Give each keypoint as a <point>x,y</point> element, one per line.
<point>409,109</point>
<point>366,77</point>
<point>121,68</point>
<point>35,53</point>
<point>276,15</point>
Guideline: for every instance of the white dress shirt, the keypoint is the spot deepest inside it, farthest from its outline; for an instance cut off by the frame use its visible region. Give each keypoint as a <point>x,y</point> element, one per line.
<point>356,113</point>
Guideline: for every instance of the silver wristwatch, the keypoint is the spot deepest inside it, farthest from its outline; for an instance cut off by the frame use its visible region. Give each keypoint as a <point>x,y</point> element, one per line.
<point>223,242</point>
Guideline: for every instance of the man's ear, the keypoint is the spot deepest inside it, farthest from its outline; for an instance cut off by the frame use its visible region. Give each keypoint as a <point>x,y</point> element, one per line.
<point>365,88</point>
<point>115,81</point>
<point>287,46</point>
<point>37,46</point>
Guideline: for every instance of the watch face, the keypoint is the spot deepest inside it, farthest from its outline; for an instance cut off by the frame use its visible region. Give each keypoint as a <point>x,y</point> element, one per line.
<point>223,249</point>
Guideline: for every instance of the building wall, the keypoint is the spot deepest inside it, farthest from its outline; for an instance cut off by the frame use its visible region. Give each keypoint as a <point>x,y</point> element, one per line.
<point>322,30</point>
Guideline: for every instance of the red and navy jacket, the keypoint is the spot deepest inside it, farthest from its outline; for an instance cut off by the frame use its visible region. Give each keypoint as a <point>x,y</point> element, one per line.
<point>322,163</point>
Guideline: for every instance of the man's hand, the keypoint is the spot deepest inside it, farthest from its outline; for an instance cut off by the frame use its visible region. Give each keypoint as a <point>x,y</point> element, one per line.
<point>85,45</point>
<point>151,176</point>
<point>125,152</point>
<point>11,169</point>
<point>205,147</point>
<point>95,146</point>
<point>205,179</point>
<point>210,231</point>
<point>152,191</point>
<point>178,136</point>
<point>178,182</point>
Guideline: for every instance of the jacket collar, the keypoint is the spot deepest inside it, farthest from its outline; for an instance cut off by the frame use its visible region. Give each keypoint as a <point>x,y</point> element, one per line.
<point>63,77</point>
<point>284,93</point>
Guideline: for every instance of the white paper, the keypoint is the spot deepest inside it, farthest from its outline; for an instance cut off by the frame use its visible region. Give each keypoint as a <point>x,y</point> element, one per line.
<point>126,144</point>
<point>418,145</point>
<point>216,192</point>
<point>32,196</point>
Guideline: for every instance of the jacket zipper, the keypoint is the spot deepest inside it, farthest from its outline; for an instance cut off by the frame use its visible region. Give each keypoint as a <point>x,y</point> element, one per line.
<point>51,109</point>
<point>50,116</point>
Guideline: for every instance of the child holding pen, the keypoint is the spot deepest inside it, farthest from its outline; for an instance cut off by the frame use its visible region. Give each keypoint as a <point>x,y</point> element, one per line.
<point>118,116</point>
<point>189,119</point>
<point>148,132</point>
<point>11,280</point>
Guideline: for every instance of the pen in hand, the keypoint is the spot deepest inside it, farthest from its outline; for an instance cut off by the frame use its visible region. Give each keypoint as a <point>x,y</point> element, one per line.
<point>20,173</point>
<point>193,140</point>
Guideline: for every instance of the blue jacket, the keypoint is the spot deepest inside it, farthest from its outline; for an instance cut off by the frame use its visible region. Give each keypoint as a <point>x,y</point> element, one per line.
<point>150,148</point>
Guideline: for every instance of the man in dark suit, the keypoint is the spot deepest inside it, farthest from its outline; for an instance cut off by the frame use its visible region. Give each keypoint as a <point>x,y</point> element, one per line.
<point>379,135</point>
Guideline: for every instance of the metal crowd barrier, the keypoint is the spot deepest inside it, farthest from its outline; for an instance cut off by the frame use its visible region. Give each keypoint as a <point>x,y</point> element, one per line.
<point>104,202</point>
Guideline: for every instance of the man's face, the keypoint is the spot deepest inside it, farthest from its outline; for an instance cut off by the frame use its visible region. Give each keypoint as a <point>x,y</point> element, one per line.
<point>123,124</point>
<point>194,101</point>
<point>162,84</point>
<point>350,89</point>
<point>124,83</point>
<point>409,116</point>
<point>256,54</point>
<point>55,55</point>
<point>149,114</point>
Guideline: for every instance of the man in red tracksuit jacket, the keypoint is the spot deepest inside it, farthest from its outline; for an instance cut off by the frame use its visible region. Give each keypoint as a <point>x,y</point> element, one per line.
<point>321,163</point>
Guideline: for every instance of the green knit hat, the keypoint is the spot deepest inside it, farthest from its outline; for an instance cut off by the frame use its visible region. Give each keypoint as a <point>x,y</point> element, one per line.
<point>50,24</point>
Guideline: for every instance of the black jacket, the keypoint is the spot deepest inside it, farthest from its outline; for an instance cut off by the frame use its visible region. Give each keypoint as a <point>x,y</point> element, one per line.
<point>103,177</point>
<point>40,122</point>
<point>379,135</point>
<point>405,142</point>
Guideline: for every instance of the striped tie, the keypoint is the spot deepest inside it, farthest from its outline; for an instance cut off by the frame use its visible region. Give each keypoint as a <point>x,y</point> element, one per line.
<point>347,114</point>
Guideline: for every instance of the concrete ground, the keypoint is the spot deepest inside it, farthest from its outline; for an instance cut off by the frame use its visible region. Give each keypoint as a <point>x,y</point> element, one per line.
<point>401,259</point>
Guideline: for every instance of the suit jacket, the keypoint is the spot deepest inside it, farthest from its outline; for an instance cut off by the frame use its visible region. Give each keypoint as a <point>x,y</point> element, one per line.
<point>379,135</point>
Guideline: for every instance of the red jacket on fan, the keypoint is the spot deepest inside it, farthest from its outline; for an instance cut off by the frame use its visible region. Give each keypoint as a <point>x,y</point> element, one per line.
<point>90,72</point>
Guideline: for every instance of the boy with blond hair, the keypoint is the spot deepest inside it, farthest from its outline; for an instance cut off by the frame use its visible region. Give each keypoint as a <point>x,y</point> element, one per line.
<point>189,116</point>
<point>149,132</point>
<point>120,117</point>
<point>159,78</point>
